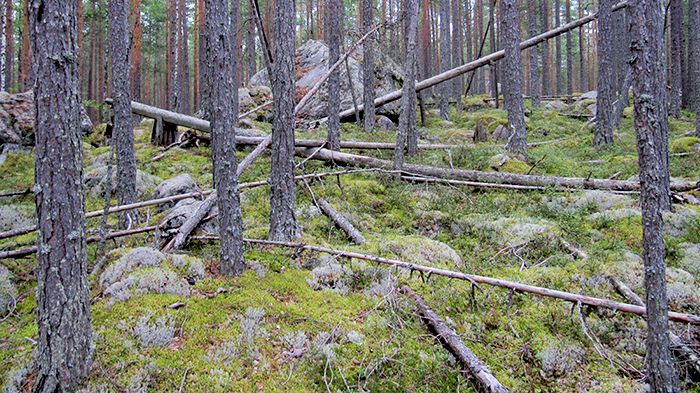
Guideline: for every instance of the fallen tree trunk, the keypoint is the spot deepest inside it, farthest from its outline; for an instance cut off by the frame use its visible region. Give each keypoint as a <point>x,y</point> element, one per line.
<point>485,177</point>
<point>179,197</point>
<point>679,348</point>
<point>252,140</point>
<point>480,62</point>
<point>476,279</point>
<point>473,368</point>
<point>338,219</point>
<point>24,252</point>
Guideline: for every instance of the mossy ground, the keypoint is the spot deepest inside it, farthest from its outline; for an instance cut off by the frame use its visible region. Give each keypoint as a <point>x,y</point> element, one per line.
<point>517,335</point>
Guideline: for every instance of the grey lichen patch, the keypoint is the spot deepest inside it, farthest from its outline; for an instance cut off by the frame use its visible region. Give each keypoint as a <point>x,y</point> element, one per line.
<point>14,217</point>
<point>331,275</point>
<point>156,334</point>
<point>691,258</point>
<point>8,291</point>
<point>252,327</point>
<point>561,358</point>
<point>680,221</point>
<point>421,250</point>
<point>136,258</point>
<point>594,200</point>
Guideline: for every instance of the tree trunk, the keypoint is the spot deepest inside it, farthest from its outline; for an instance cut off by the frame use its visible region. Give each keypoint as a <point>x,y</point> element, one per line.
<point>3,84</point>
<point>583,75</point>
<point>513,78</point>
<point>9,45</point>
<point>606,75</point>
<point>569,56</point>
<point>224,115</point>
<point>557,49</point>
<point>368,66</point>
<point>64,345</point>
<point>122,131</point>
<point>250,44</point>
<point>693,66</point>
<point>333,17</point>
<point>674,62</point>
<point>407,119</point>
<point>544,21</point>
<point>480,79</point>
<point>649,86</point>
<point>185,106</point>
<point>445,58</point>
<point>174,63</point>
<point>492,37</point>
<point>457,51</point>
<point>136,51</point>
<point>534,65</point>
<point>283,223</point>
<point>26,79</point>
<point>425,42</point>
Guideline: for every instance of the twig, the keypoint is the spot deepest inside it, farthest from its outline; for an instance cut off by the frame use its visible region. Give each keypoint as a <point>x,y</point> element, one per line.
<point>182,381</point>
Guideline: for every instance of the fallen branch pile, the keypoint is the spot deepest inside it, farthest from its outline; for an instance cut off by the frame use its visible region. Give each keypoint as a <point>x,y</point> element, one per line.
<point>473,368</point>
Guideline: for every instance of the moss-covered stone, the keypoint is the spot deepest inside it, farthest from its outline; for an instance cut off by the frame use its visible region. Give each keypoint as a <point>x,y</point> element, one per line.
<point>685,145</point>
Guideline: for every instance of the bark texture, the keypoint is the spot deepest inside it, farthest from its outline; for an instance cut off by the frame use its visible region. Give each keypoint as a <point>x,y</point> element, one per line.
<point>513,78</point>
<point>283,223</point>
<point>557,49</point>
<point>544,22</point>
<point>407,119</point>
<point>445,58</point>
<point>694,67</point>
<point>674,61</point>
<point>122,131</point>
<point>368,66</point>
<point>534,87</point>
<point>457,50</point>
<point>333,16</point>
<point>9,45</point>
<point>224,115</point>
<point>136,51</point>
<point>606,75</point>
<point>569,54</point>
<point>63,313</point>
<point>650,121</point>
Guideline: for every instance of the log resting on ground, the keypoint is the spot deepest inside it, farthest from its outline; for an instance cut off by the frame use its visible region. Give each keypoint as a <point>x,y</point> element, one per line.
<point>473,368</point>
<point>485,177</point>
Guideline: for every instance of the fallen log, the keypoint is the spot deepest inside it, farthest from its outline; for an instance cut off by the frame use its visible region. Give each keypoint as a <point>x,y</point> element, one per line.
<point>360,145</point>
<point>485,177</point>
<point>24,252</point>
<point>480,62</point>
<point>476,279</point>
<point>473,368</point>
<point>338,219</point>
<point>179,197</point>
<point>680,349</point>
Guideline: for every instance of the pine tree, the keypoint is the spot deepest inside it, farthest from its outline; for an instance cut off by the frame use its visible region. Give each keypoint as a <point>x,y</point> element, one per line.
<point>674,61</point>
<point>534,65</point>
<point>513,78</point>
<point>333,16</point>
<point>445,58</point>
<point>407,119</point>
<point>63,355</point>
<point>368,66</point>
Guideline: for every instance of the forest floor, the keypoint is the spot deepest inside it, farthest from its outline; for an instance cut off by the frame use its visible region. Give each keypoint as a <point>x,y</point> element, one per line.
<point>311,322</point>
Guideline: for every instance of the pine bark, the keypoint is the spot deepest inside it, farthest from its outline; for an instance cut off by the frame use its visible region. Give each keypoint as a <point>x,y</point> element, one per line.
<point>333,16</point>
<point>480,78</point>
<point>492,44</point>
<point>250,45</point>
<point>135,73</point>
<point>693,67</point>
<point>557,48</point>
<point>25,77</point>
<point>185,106</point>
<point>457,51</point>
<point>224,114</point>
<point>407,119</point>
<point>122,131</point>
<point>649,86</point>
<point>174,62</point>
<point>606,75</point>
<point>368,66</point>
<point>534,64</point>
<point>9,45</point>
<point>513,78</point>
<point>2,46</point>
<point>283,223</point>
<point>544,21</point>
<point>582,70</point>
<point>674,61</point>
<point>63,355</point>
<point>445,58</point>
<point>569,54</point>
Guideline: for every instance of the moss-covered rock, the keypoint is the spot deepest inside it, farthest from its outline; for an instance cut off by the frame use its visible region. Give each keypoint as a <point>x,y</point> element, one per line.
<point>505,163</point>
<point>421,250</point>
<point>685,145</point>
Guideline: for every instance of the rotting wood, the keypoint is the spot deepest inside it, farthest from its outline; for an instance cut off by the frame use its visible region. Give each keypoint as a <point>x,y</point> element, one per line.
<point>486,177</point>
<point>680,349</point>
<point>480,62</point>
<point>473,368</point>
<point>179,197</point>
<point>476,279</point>
<point>338,219</point>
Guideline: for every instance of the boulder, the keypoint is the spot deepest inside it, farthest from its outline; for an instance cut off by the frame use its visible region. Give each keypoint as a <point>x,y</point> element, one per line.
<point>179,184</point>
<point>17,119</point>
<point>245,101</point>
<point>94,181</point>
<point>311,61</point>
<point>591,95</point>
<point>555,106</point>
<point>385,123</point>
<point>502,133</point>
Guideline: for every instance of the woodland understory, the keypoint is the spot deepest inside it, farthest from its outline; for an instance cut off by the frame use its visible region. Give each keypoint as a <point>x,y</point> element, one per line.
<point>304,321</point>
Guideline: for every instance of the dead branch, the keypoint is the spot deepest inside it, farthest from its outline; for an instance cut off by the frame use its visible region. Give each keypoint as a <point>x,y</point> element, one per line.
<point>338,219</point>
<point>473,368</point>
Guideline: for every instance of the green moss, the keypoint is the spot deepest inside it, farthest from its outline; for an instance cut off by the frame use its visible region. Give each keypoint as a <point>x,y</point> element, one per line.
<point>684,145</point>
<point>515,166</point>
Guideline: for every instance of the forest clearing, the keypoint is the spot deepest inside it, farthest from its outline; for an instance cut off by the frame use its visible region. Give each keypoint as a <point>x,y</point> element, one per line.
<point>478,196</point>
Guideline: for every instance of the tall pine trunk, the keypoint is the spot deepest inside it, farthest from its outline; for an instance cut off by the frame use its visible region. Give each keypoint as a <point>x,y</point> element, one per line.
<point>174,62</point>
<point>221,85</point>
<point>9,45</point>
<point>651,124</point>
<point>513,78</point>
<point>136,51</point>
<point>569,54</point>
<point>494,47</point>
<point>674,62</point>
<point>283,223</point>
<point>544,20</point>
<point>457,51</point>
<point>693,67</point>
<point>122,133</point>
<point>534,65</point>
<point>183,47</point>
<point>25,77</point>
<point>606,75</point>
<point>333,17</point>
<point>63,355</point>
<point>557,48</point>
<point>445,58</point>
<point>406,136</point>
<point>582,70</point>
<point>368,66</point>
